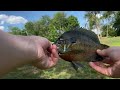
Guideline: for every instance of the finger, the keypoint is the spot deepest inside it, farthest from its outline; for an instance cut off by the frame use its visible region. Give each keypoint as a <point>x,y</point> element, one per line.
<point>108,61</point>
<point>54,55</point>
<point>100,64</point>
<point>103,52</point>
<point>54,46</point>
<point>53,59</point>
<point>50,49</point>
<point>103,70</point>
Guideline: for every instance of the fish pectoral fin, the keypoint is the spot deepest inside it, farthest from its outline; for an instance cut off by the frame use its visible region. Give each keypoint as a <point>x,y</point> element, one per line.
<point>76,65</point>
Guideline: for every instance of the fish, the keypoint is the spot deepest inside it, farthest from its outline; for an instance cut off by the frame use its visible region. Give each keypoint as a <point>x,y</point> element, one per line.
<point>79,45</point>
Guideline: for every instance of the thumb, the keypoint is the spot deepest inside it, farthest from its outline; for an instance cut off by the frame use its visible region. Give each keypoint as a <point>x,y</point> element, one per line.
<point>103,70</point>
<point>103,52</point>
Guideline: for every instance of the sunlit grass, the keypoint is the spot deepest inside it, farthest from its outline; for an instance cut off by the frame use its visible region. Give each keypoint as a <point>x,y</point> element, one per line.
<point>112,41</point>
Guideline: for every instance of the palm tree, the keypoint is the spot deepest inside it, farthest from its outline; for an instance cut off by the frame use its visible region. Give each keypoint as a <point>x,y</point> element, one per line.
<point>108,16</point>
<point>93,20</point>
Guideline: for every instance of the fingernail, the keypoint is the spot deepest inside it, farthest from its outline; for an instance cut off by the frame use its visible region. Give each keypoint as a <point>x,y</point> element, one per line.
<point>98,50</point>
<point>90,63</point>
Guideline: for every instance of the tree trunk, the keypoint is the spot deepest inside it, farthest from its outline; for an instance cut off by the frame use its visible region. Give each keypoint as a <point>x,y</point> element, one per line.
<point>107,31</point>
<point>100,32</point>
<point>99,35</point>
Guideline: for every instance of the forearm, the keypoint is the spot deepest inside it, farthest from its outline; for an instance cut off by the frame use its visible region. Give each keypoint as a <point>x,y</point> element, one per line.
<point>14,52</point>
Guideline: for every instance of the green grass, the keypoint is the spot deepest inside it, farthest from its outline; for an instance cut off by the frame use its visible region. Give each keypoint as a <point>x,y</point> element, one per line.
<point>62,70</point>
<point>112,41</point>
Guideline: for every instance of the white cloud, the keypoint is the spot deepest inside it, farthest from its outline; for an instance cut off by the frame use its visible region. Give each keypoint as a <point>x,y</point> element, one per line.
<point>99,15</point>
<point>12,19</point>
<point>16,20</point>
<point>2,27</point>
<point>3,16</point>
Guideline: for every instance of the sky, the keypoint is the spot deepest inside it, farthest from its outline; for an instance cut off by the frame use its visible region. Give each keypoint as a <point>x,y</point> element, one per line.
<point>19,18</point>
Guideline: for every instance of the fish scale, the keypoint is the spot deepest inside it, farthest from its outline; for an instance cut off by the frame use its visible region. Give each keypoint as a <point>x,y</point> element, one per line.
<point>79,45</point>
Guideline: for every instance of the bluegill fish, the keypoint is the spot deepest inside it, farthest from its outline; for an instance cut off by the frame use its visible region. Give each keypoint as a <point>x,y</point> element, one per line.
<point>79,45</point>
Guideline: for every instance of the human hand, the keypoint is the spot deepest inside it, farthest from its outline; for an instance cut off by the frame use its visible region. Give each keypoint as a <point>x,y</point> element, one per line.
<point>40,51</point>
<point>47,55</point>
<point>17,50</point>
<point>112,59</point>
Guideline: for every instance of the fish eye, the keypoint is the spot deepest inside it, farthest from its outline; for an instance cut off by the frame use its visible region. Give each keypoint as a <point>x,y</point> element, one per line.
<point>62,42</point>
<point>73,40</point>
<point>58,42</point>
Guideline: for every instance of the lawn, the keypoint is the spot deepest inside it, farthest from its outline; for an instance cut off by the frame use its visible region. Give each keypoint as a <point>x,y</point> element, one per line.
<point>62,70</point>
<point>111,41</point>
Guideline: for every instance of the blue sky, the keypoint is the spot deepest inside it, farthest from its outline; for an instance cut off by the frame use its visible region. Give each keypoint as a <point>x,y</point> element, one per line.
<point>19,18</point>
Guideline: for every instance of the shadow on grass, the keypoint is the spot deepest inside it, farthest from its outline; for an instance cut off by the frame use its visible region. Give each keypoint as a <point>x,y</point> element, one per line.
<point>25,72</point>
<point>62,70</point>
<point>82,73</point>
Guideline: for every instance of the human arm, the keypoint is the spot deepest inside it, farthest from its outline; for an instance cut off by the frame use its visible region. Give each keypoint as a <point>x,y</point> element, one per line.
<point>16,51</point>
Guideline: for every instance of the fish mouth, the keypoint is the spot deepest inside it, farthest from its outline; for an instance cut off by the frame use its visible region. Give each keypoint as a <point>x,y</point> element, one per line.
<point>61,53</point>
<point>63,48</point>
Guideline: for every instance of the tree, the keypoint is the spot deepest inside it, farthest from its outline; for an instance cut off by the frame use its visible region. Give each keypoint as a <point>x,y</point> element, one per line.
<point>94,19</point>
<point>39,27</point>
<point>72,22</point>
<point>90,20</point>
<point>108,15</point>
<point>59,21</point>
<point>15,30</point>
<point>53,33</point>
<point>44,23</point>
<point>116,24</point>
<point>29,28</point>
<point>50,28</point>
<point>111,31</point>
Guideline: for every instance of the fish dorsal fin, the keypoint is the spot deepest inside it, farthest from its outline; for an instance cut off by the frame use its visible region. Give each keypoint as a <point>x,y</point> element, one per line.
<point>90,34</point>
<point>79,32</point>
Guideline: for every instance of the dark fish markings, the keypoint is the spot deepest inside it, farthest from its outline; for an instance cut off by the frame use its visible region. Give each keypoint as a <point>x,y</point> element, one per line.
<point>79,45</point>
